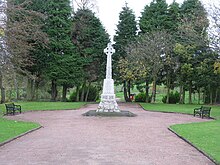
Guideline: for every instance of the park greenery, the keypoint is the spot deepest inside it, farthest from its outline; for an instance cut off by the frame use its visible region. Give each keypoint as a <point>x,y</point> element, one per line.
<point>56,50</point>
<point>51,51</point>
<point>10,128</point>
<point>204,135</point>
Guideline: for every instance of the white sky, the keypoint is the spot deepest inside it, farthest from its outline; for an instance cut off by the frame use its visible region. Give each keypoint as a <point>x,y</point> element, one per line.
<point>108,10</point>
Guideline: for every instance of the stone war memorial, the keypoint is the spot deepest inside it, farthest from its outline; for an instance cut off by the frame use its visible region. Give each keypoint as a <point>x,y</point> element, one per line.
<point>108,105</point>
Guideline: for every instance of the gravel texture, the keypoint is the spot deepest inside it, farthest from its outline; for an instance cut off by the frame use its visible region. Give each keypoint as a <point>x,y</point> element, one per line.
<point>69,138</point>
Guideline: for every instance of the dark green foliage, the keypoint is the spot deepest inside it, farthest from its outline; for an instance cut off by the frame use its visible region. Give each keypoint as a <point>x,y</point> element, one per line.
<point>125,33</point>
<point>90,38</point>
<point>93,94</point>
<point>173,19</point>
<point>140,97</point>
<point>173,98</point>
<point>155,17</point>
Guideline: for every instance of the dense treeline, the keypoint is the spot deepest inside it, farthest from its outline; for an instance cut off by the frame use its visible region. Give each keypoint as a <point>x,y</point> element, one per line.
<point>48,48</point>
<point>67,56</point>
<point>174,48</point>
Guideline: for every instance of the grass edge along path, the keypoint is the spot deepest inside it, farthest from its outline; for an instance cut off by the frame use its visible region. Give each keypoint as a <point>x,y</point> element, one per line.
<point>179,108</point>
<point>45,106</point>
<point>12,129</point>
<point>203,136</point>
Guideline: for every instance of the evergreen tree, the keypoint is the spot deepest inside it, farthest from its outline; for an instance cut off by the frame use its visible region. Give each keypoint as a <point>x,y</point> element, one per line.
<point>125,33</point>
<point>173,17</point>
<point>155,17</point>
<point>62,60</point>
<point>90,38</point>
<point>192,33</point>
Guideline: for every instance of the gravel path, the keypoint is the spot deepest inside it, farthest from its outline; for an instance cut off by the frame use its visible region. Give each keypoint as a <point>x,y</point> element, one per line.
<point>69,138</point>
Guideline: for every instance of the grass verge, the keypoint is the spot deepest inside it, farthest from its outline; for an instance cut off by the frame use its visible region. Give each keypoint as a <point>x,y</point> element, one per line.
<point>10,129</point>
<point>205,136</point>
<point>33,106</point>
<point>180,108</point>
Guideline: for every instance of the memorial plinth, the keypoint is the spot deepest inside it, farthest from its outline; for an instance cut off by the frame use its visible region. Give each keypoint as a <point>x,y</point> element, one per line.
<point>108,106</point>
<point>108,101</point>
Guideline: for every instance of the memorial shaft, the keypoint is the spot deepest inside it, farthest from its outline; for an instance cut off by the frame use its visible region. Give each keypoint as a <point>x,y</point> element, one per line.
<point>108,101</point>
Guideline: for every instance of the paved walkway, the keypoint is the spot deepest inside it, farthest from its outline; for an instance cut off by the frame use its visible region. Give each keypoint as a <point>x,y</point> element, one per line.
<point>69,138</point>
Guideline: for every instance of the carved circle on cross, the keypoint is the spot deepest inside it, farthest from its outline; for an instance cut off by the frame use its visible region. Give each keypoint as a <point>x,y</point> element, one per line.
<point>109,50</point>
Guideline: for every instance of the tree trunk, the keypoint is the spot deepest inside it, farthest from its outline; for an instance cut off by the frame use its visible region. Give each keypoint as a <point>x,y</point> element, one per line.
<point>10,94</point>
<point>16,87</point>
<point>30,89</point>
<point>154,90</point>
<point>53,90</point>
<point>2,88</point>
<point>33,89</point>
<point>147,91</point>
<point>125,92</point>
<point>83,92</point>
<point>216,96</point>
<point>211,94</point>
<point>190,92</point>
<point>37,90</point>
<point>168,90</point>
<point>87,92</point>
<point>182,95</point>
<point>199,96</point>
<point>64,93</point>
<point>129,91</point>
<point>77,93</point>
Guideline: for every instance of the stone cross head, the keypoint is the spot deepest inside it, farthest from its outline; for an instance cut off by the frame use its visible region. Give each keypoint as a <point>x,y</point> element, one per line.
<point>109,50</point>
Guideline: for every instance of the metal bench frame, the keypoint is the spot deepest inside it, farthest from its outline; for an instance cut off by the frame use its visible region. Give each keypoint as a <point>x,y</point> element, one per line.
<point>11,108</point>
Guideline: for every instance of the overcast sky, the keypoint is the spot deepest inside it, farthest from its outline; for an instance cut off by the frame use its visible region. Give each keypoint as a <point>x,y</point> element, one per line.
<point>108,10</point>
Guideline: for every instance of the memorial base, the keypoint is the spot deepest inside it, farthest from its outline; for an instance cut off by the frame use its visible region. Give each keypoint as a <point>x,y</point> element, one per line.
<point>109,114</point>
<point>108,103</point>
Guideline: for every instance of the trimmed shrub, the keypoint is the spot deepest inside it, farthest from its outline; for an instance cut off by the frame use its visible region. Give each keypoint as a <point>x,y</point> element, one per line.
<point>173,99</point>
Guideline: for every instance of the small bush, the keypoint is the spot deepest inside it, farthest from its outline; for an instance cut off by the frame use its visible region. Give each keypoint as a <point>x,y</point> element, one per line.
<point>141,97</point>
<point>173,99</point>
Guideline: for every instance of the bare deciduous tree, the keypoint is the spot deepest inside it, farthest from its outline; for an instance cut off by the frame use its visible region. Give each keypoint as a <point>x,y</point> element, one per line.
<point>214,29</point>
<point>20,34</point>
<point>85,4</point>
<point>153,49</point>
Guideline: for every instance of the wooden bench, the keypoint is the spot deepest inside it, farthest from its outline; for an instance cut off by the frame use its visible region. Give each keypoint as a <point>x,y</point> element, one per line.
<point>11,108</point>
<point>202,111</point>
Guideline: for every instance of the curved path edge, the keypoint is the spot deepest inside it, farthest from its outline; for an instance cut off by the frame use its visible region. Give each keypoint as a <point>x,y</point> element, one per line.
<point>23,134</point>
<point>187,141</point>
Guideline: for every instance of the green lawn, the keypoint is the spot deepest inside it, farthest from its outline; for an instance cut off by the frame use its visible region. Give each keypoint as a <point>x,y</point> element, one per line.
<point>10,129</point>
<point>204,135</point>
<point>179,108</point>
<point>32,106</point>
